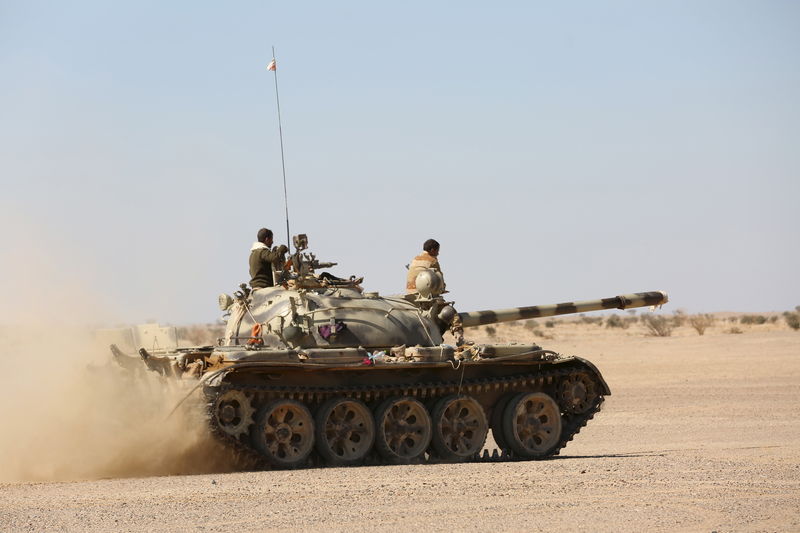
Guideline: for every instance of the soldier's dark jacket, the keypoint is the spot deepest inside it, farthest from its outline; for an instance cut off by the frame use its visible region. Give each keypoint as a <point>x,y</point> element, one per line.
<point>261,260</point>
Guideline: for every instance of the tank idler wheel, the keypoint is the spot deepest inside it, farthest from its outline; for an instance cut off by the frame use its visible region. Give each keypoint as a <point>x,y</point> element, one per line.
<point>402,429</point>
<point>284,433</point>
<point>532,425</point>
<point>459,427</point>
<point>578,393</point>
<point>345,431</point>
<point>233,412</point>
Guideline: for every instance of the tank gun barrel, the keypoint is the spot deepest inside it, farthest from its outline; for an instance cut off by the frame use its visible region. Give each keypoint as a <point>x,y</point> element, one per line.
<point>625,301</point>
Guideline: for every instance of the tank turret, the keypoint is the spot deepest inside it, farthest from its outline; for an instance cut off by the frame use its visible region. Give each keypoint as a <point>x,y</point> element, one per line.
<point>308,310</point>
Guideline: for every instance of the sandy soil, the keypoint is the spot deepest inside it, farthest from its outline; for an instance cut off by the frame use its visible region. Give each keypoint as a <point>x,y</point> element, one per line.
<point>701,433</point>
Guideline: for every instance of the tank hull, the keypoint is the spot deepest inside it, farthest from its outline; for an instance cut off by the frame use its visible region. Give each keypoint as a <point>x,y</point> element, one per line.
<point>459,403</point>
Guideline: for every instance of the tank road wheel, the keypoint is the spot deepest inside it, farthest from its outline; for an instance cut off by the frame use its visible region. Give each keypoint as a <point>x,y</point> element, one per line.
<point>402,429</point>
<point>496,421</point>
<point>532,425</point>
<point>459,427</point>
<point>345,431</point>
<point>284,433</point>
<point>233,412</point>
<point>577,393</point>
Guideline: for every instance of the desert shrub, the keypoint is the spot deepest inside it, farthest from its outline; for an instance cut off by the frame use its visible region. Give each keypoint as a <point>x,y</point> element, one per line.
<point>701,322</point>
<point>491,331</point>
<point>793,320</point>
<point>592,320</point>
<point>530,324</point>
<point>773,319</point>
<point>678,318</point>
<point>550,324</point>
<point>797,308</point>
<point>658,326</point>
<point>733,319</point>
<point>734,330</point>
<point>753,319</point>
<point>615,321</point>
<point>632,312</point>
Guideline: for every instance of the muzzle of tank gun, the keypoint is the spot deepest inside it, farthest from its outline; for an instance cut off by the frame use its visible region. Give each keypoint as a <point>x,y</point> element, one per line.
<point>625,301</point>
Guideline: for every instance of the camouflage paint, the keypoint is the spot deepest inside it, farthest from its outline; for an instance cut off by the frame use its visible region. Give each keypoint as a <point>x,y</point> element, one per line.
<point>625,301</point>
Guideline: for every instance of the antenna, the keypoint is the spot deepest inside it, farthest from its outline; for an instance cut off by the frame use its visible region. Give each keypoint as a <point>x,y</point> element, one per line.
<point>273,66</point>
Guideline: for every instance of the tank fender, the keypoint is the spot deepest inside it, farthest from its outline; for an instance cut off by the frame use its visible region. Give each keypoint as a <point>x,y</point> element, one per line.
<point>215,379</point>
<point>125,361</point>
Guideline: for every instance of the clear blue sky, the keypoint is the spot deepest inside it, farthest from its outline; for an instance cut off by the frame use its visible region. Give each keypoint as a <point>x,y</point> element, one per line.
<point>557,151</point>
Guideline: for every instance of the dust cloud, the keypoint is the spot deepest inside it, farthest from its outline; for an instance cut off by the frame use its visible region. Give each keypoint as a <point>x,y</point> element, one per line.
<point>70,411</point>
<point>69,417</point>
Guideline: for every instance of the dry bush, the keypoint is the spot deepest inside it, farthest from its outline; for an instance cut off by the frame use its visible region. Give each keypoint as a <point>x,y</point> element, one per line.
<point>734,330</point>
<point>753,319</point>
<point>657,326</point>
<point>491,331</point>
<point>592,320</point>
<point>616,321</point>
<point>733,319</point>
<point>793,320</point>
<point>678,318</point>
<point>550,324</point>
<point>701,322</point>
<point>530,324</point>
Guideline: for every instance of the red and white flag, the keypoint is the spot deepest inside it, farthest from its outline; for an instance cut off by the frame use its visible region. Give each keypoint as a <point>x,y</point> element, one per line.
<point>272,65</point>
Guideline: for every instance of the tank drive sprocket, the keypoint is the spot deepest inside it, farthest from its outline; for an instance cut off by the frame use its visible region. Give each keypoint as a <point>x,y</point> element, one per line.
<point>233,412</point>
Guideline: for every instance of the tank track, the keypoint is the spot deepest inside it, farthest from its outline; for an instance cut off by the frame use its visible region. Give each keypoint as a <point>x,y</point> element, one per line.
<point>248,458</point>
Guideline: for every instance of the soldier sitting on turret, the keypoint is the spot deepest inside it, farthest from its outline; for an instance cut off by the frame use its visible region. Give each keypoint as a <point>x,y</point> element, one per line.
<point>428,259</point>
<point>263,258</point>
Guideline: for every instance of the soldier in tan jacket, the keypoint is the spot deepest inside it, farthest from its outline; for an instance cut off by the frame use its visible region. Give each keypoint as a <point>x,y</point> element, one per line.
<point>427,259</point>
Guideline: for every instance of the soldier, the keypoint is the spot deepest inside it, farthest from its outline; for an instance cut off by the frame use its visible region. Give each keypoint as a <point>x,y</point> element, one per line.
<point>262,259</point>
<point>427,259</point>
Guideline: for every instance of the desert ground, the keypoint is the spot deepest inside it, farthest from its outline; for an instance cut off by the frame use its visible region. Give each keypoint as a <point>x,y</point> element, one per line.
<point>700,433</point>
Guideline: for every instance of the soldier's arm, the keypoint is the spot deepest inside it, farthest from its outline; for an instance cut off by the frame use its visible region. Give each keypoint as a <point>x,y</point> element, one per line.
<point>269,256</point>
<point>435,266</point>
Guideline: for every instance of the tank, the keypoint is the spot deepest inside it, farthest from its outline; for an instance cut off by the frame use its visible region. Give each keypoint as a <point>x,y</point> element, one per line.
<point>316,371</point>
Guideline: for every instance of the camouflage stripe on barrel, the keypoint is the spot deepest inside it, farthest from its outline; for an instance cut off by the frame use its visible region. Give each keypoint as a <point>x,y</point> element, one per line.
<point>625,301</point>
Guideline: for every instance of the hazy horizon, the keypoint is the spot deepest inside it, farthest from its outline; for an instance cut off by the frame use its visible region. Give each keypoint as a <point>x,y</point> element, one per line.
<point>558,152</point>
